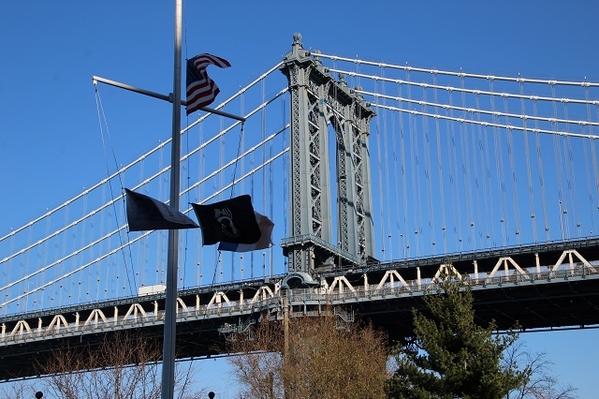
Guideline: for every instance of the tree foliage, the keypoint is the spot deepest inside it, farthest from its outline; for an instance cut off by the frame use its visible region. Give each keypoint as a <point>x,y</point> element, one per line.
<point>450,356</point>
<point>322,360</point>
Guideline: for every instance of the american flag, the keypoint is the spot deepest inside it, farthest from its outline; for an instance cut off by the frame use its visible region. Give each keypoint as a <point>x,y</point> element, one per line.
<point>201,90</point>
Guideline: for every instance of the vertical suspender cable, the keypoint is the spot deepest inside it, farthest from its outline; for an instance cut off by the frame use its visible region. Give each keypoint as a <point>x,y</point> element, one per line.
<point>263,135</point>
<point>414,151</point>
<point>386,132</point>
<point>513,171</point>
<point>483,145</point>
<point>588,170</point>
<point>427,175</point>
<point>200,194</point>
<point>593,188</point>
<point>557,153</point>
<point>240,163</point>
<point>404,183</point>
<point>500,172</point>
<point>531,196</point>
<point>540,168</point>
<point>594,152</point>
<point>465,161</point>
<point>399,228</point>
<point>271,201</point>
<point>454,175</point>
<point>161,240</point>
<point>440,168</point>
<point>571,173</point>
<point>379,159</point>
<point>477,168</point>
<point>222,175</point>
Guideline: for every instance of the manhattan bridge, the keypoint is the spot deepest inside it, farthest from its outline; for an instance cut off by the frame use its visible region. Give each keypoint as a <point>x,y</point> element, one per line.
<point>379,178</point>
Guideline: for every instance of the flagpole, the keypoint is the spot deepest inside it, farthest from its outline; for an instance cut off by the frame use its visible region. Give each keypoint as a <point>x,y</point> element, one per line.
<point>170,307</point>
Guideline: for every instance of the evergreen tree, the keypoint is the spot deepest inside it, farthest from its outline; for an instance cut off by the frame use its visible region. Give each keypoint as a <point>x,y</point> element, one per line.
<point>450,356</point>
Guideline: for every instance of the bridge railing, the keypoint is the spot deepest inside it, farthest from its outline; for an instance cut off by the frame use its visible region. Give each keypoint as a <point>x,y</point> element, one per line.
<point>221,306</point>
<point>23,332</point>
<point>423,286</point>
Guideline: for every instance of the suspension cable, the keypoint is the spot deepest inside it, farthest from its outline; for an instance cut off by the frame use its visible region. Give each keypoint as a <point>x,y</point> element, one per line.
<point>459,74</point>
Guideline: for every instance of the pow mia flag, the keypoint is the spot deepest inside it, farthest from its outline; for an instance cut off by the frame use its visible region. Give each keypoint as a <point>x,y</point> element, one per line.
<point>265,225</point>
<point>232,221</point>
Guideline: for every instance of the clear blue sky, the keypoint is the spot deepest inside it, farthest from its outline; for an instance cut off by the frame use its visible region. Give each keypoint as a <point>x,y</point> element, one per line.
<point>50,145</point>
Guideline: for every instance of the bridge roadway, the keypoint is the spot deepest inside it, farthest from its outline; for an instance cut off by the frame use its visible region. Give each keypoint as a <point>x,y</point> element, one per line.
<point>550,286</point>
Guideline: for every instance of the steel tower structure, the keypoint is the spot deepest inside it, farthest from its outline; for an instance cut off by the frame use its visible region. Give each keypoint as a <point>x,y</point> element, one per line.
<point>318,102</point>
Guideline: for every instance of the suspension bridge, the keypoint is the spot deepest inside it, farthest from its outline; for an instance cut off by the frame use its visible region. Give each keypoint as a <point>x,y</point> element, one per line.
<point>378,177</point>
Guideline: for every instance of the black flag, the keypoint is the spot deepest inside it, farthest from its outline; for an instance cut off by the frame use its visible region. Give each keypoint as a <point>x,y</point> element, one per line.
<point>232,221</point>
<point>265,225</point>
<point>146,213</point>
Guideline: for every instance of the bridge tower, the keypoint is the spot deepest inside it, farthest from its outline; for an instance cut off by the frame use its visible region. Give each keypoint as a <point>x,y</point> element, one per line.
<point>317,102</point>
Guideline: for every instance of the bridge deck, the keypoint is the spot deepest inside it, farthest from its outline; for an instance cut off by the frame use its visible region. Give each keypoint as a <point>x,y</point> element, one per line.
<point>551,287</point>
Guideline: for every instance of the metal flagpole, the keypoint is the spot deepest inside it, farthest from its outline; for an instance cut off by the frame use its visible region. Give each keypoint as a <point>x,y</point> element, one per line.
<point>170,307</point>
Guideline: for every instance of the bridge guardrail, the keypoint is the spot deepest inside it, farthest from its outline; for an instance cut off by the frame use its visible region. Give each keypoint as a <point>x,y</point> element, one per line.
<point>23,333</point>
